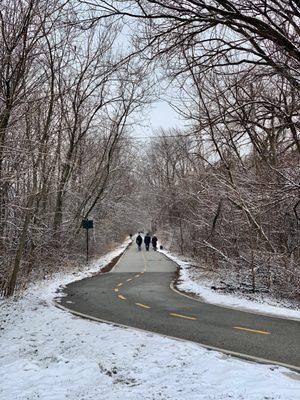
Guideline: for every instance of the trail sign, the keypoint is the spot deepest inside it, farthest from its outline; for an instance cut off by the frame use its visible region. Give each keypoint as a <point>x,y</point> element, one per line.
<point>87,224</point>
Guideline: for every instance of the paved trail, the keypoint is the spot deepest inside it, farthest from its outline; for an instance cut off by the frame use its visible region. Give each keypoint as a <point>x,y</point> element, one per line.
<point>137,293</point>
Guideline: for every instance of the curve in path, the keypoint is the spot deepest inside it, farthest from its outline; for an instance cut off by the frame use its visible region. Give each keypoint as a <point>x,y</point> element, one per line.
<point>137,293</point>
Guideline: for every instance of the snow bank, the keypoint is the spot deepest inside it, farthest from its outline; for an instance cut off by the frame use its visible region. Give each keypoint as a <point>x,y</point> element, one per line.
<point>188,283</point>
<point>49,354</point>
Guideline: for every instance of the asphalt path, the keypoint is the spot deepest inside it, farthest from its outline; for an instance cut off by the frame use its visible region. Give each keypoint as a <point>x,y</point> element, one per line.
<point>137,293</point>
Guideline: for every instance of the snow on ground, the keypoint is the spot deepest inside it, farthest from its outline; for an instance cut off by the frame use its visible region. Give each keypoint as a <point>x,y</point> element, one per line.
<point>49,354</point>
<point>188,283</point>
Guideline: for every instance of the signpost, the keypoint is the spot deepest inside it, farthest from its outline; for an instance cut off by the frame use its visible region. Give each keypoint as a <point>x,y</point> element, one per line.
<point>87,224</point>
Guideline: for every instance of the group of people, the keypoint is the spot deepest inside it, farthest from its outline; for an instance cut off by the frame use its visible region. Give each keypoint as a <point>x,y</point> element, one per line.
<point>147,241</point>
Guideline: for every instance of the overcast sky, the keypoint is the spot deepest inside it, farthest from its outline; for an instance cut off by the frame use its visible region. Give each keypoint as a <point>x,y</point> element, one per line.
<point>159,115</point>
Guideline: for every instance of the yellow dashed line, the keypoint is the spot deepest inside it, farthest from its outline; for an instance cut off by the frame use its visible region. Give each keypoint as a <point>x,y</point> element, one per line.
<point>252,330</point>
<point>116,290</point>
<point>183,316</point>
<point>142,305</point>
<point>121,297</point>
<point>119,284</point>
<point>128,280</point>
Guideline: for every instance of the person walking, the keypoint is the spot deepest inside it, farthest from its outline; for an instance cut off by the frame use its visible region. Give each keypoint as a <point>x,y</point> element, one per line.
<point>147,240</point>
<point>154,242</point>
<point>139,241</point>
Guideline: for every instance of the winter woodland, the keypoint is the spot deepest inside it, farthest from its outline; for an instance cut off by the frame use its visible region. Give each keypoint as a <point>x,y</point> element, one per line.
<point>75,79</point>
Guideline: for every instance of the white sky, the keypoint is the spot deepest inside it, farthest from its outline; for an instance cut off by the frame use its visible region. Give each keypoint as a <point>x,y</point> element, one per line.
<point>159,115</point>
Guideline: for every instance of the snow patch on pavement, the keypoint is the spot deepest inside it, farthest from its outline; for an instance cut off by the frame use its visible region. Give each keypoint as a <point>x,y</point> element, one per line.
<point>189,284</point>
<point>49,354</point>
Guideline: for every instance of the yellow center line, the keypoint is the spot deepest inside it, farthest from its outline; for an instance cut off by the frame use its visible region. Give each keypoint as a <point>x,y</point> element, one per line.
<point>116,290</point>
<point>183,316</point>
<point>121,297</point>
<point>142,305</point>
<point>128,280</point>
<point>252,330</point>
<point>119,284</point>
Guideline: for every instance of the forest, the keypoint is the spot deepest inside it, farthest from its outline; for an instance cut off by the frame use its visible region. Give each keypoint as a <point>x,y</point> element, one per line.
<point>76,77</point>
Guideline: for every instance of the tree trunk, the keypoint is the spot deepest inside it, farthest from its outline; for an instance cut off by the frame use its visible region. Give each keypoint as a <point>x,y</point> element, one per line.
<point>13,279</point>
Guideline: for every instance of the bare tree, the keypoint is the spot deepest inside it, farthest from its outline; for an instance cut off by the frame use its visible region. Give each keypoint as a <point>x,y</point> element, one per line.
<point>218,32</point>
<point>68,99</point>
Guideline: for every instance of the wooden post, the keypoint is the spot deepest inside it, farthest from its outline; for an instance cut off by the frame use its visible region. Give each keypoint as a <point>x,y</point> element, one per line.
<point>87,245</point>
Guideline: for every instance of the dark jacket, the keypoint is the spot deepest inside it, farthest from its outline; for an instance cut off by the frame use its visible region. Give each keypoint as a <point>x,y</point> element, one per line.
<point>139,240</point>
<point>154,240</point>
<point>147,239</point>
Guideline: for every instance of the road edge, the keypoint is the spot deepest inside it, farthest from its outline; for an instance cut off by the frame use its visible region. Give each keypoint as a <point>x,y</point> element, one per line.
<point>195,297</point>
<point>241,356</point>
<point>101,271</point>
